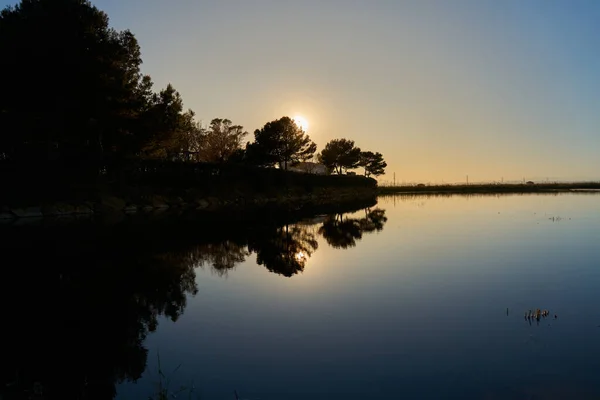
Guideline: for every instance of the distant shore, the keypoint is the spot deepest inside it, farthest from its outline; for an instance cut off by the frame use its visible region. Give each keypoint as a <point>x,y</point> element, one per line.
<point>491,188</point>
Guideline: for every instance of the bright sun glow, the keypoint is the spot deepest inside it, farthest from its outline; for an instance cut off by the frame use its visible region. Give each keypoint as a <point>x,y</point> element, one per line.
<point>301,122</point>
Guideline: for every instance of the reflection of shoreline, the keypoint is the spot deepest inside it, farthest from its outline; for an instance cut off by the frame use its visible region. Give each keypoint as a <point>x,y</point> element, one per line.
<point>285,249</point>
<point>78,321</point>
<point>95,293</point>
<point>283,243</point>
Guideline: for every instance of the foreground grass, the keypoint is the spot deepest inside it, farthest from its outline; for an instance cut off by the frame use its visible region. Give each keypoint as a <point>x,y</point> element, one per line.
<point>164,390</point>
<point>492,188</point>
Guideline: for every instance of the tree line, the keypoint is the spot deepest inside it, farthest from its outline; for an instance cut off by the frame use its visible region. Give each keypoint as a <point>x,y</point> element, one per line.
<point>73,87</point>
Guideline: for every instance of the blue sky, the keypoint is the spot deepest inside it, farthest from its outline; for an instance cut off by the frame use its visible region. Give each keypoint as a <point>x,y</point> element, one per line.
<point>447,88</point>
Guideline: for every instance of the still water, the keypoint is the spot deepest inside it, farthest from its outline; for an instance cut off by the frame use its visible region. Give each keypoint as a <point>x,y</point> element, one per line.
<point>417,297</point>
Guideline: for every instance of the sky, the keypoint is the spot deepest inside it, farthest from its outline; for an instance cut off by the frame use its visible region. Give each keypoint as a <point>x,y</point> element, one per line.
<point>445,89</point>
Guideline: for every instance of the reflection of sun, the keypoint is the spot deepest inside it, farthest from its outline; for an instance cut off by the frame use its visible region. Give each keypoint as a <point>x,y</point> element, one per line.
<point>301,122</point>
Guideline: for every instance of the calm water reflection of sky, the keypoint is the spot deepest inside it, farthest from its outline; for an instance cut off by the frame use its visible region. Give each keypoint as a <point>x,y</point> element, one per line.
<point>417,310</point>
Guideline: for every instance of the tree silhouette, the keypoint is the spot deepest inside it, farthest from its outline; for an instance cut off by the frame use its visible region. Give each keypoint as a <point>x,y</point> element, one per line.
<point>284,250</point>
<point>221,141</point>
<point>187,139</point>
<point>280,142</point>
<point>170,131</point>
<point>75,87</point>
<point>373,163</point>
<point>339,155</point>
<point>90,72</point>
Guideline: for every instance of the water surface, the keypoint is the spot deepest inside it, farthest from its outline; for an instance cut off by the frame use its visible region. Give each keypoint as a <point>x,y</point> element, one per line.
<point>417,297</point>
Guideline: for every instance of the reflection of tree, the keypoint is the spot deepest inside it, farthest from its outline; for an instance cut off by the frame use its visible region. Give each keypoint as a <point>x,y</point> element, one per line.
<point>373,221</point>
<point>284,250</point>
<point>222,257</point>
<point>343,233</point>
<point>170,296</point>
<point>339,232</point>
<point>80,335</point>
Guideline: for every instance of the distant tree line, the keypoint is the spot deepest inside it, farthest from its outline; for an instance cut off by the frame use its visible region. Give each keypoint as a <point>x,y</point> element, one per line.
<point>73,88</point>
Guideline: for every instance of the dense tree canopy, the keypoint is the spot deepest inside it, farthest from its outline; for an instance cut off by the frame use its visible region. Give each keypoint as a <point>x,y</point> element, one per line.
<point>221,141</point>
<point>74,83</point>
<point>78,85</point>
<point>373,163</point>
<point>168,131</point>
<point>280,142</point>
<point>339,155</point>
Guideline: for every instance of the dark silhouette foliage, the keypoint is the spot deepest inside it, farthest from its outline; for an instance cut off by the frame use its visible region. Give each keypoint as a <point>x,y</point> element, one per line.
<point>373,163</point>
<point>280,142</point>
<point>340,155</point>
<point>72,86</point>
<point>221,142</point>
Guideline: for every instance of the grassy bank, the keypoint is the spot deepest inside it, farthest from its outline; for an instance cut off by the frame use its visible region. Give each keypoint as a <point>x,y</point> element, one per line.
<point>490,188</point>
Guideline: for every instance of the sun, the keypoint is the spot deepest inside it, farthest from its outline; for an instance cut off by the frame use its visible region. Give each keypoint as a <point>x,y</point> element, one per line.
<point>301,122</point>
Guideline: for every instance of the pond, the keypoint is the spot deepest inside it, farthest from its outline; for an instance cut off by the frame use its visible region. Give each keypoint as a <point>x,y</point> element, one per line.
<point>416,297</point>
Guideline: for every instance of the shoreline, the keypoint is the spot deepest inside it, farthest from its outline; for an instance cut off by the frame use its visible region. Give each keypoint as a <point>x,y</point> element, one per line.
<point>581,187</point>
<point>152,187</point>
<point>106,203</point>
<point>111,209</point>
